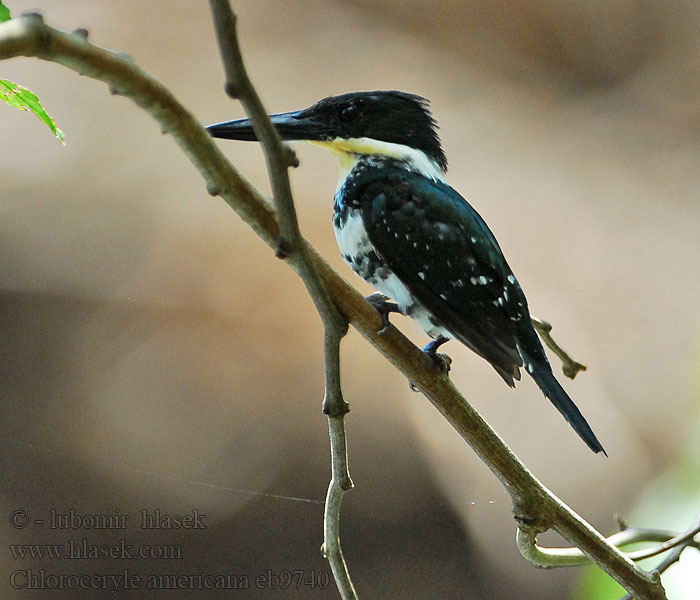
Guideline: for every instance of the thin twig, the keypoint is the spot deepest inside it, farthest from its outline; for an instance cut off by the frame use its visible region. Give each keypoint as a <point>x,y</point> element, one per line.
<point>339,484</point>
<point>675,555</point>
<point>681,540</point>
<point>534,505</point>
<point>340,476</point>
<point>290,245</point>
<point>569,366</point>
<point>547,558</point>
<point>279,158</point>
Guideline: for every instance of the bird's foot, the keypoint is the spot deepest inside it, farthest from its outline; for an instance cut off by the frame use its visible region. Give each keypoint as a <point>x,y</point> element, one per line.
<point>442,361</point>
<point>384,307</point>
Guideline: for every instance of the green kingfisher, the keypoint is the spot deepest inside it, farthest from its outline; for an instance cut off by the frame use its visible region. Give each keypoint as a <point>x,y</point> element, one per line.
<point>411,236</point>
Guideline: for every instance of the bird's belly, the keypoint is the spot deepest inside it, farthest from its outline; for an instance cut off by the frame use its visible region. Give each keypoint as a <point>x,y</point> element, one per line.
<point>359,253</point>
<point>394,288</point>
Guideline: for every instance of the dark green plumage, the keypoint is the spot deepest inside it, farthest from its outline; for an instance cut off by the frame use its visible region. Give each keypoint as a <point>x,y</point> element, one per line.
<point>428,236</point>
<point>419,226</point>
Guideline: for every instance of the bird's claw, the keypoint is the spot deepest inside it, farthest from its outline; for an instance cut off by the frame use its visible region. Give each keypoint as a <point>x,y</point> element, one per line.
<point>384,307</point>
<point>442,361</point>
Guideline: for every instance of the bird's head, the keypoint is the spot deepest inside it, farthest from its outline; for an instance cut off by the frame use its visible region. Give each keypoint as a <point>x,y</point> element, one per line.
<point>385,123</point>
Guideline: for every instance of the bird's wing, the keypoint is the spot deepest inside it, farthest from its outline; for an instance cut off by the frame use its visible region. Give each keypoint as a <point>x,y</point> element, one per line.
<point>445,254</point>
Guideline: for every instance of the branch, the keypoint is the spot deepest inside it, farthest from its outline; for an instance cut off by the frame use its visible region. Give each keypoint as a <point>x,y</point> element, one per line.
<point>548,558</point>
<point>675,555</point>
<point>290,245</point>
<point>569,366</point>
<point>534,506</point>
<point>680,540</point>
<point>279,157</point>
<point>339,484</point>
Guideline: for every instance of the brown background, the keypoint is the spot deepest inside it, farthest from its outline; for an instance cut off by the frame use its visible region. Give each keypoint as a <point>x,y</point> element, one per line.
<point>154,354</point>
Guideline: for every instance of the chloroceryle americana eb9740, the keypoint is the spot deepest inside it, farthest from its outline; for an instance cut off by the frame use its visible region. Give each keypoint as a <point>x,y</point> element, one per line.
<point>405,231</point>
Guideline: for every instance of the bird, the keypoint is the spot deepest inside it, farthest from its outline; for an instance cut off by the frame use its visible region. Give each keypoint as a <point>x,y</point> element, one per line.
<point>416,240</point>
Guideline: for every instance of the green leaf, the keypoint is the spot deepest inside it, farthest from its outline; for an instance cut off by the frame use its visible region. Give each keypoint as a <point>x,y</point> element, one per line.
<point>4,13</point>
<point>24,99</point>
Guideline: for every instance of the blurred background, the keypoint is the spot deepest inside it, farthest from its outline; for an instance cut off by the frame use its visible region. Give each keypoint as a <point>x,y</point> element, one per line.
<point>155,355</point>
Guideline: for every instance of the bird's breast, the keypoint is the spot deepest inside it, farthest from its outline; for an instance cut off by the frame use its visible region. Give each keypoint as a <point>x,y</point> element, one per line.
<point>356,248</point>
<point>360,254</point>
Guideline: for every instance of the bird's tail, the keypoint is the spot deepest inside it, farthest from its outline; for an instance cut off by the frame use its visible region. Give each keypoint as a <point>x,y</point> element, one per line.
<point>537,365</point>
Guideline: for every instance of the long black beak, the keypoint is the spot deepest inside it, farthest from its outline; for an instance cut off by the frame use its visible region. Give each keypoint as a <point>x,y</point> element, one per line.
<point>291,126</point>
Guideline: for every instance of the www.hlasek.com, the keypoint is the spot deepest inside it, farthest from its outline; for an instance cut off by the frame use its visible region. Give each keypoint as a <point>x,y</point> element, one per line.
<point>40,579</point>
<point>83,550</point>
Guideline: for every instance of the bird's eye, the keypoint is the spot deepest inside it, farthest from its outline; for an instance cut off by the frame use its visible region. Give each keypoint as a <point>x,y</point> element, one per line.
<point>348,113</point>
